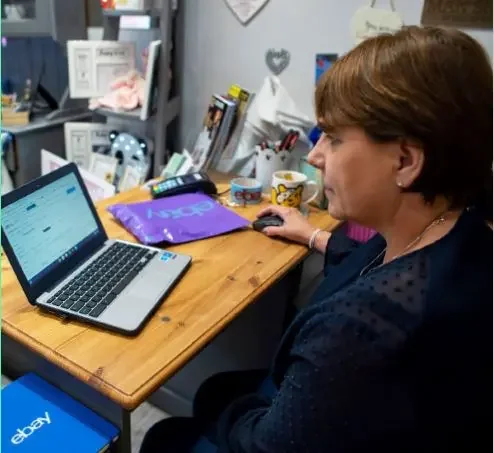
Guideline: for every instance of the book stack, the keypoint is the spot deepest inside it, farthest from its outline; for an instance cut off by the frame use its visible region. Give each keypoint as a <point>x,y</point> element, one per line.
<point>221,127</point>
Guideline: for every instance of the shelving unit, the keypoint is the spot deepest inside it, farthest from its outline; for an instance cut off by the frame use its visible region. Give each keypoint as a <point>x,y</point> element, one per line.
<point>171,112</point>
<point>167,108</point>
<point>33,22</point>
<point>131,12</point>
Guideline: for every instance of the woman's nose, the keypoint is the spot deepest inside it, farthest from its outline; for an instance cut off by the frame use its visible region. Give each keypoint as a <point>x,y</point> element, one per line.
<point>316,157</point>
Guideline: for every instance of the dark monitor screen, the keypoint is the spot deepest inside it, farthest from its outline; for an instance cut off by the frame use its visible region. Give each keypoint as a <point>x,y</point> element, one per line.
<point>40,59</point>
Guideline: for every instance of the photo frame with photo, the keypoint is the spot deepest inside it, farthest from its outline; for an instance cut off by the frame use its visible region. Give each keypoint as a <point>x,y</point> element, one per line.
<point>97,188</point>
<point>83,139</point>
<point>104,167</point>
<point>94,65</point>
<point>323,62</point>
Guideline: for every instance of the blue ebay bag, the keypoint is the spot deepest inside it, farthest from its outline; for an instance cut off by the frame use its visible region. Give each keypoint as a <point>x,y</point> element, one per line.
<point>177,219</point>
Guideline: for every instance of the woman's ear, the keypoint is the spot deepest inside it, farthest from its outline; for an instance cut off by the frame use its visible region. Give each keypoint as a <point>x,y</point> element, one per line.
<point>410,165</point>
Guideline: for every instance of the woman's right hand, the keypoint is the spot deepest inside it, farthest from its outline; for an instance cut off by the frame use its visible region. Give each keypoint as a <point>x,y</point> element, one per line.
<point>295,227</point>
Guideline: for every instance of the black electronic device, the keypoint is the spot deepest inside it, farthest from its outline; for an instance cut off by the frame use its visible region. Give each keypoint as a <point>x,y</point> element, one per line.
<point>176,185</point>
<point>267,221</point>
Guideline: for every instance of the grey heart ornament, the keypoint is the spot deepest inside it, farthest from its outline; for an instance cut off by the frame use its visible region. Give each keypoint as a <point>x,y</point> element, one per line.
<point>277,60</point>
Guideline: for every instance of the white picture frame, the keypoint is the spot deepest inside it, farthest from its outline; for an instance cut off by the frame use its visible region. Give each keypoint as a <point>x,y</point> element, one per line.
<point>84,139</point>
<point>94,65</point>
<point>103,167</point>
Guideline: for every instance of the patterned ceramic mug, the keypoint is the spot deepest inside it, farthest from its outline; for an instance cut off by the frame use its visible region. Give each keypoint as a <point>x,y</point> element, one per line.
<point>245,191</point>
<point>292,189</point>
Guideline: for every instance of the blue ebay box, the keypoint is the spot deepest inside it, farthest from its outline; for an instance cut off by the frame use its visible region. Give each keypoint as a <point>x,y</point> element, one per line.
<point>38,417</point>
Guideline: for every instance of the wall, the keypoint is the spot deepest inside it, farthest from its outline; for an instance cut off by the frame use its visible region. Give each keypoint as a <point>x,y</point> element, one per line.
<point>220,51</point>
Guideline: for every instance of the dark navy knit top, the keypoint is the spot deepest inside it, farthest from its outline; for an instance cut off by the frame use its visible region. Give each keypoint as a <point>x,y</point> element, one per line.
<point>397,360</point>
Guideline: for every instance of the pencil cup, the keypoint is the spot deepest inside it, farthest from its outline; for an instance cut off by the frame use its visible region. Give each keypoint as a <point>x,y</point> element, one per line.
<point>268,162</point>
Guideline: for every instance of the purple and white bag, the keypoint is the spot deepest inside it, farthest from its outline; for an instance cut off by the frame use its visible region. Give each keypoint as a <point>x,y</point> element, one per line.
<point>177,219</point>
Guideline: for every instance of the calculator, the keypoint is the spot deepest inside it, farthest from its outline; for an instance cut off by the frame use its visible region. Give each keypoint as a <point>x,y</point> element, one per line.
<point>176,185</point>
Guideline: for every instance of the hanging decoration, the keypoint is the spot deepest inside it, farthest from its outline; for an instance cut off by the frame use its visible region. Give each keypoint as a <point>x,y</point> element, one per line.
<point>371,21</point>
<point>277,60</point>
<point>245,10</point>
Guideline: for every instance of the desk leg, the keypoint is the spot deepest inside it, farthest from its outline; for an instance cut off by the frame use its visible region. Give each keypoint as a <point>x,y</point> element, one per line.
<point>124,443</point>
<point>18,360</point>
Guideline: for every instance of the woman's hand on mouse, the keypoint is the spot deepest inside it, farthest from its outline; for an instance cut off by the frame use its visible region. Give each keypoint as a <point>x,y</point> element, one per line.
<point>295,226</point>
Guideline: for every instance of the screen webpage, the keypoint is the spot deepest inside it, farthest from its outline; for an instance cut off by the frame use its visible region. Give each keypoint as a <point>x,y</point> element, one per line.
<point>49,225</point>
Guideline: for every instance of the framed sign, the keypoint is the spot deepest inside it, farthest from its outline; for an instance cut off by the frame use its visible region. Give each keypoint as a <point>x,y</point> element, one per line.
<point>323,62</point>
<point>458,13</point>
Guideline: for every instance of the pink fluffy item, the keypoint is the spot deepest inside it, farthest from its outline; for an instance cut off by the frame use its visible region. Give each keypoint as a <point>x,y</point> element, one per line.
<point>127,93</point>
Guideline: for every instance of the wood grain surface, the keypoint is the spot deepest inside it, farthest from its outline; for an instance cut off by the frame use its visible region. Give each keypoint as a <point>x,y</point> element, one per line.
<point>228,273</point>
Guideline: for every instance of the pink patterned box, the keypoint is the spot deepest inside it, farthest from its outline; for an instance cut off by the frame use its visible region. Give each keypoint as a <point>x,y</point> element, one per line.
<point>359,233</point>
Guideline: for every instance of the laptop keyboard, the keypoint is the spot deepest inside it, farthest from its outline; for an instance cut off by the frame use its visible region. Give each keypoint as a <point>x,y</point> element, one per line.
<point>98,285</point>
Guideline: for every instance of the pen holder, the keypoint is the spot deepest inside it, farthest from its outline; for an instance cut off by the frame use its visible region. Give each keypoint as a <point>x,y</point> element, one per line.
<point>267,162</point>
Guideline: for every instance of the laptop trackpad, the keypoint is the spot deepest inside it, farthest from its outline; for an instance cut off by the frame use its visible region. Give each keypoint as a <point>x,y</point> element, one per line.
<point>137,300</point>
<point>149,286</point>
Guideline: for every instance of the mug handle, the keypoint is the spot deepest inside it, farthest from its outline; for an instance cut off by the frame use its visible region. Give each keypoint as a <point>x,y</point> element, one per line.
<point>314,190</point>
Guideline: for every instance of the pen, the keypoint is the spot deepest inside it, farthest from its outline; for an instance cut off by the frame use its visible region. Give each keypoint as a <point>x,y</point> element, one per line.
<point>286,139</point>
<point>293,141</point>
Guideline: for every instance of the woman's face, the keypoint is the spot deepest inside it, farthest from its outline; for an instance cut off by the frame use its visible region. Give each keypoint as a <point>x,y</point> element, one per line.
<point>359,175</point>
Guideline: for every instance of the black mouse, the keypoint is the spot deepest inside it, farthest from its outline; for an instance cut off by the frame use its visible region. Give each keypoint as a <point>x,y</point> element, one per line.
<point>267,221</point>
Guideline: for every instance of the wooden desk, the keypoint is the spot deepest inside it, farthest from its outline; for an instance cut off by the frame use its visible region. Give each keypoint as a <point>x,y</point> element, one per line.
<point>227,274</point>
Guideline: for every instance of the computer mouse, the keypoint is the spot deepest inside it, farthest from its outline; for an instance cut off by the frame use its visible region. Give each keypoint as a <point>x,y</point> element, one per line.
<point>267,221</point>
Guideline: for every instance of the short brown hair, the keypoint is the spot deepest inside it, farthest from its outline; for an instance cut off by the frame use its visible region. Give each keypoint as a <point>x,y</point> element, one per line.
<point>430,85</point>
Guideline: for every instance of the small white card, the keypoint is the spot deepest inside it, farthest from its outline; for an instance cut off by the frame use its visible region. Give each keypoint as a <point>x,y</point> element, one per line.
<point>131,178</point>
<point>104,167</point>
<point>187,165</point>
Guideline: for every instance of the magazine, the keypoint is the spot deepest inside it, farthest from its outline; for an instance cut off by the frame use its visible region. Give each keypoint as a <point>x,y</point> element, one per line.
<point>244,99</point>
<point>225,129</point>
<point>151,80</point>
<point>210,130</point>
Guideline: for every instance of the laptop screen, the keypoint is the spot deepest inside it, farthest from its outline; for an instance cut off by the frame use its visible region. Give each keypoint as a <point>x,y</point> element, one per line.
<point>48,226</point>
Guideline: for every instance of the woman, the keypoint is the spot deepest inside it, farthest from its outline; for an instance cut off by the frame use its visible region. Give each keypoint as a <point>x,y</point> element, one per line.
<point>393,354</point>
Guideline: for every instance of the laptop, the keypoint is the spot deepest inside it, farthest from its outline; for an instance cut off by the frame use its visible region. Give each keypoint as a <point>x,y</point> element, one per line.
<point>66,264</point>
